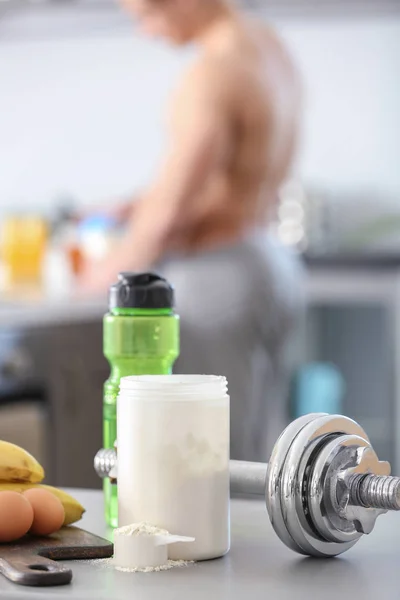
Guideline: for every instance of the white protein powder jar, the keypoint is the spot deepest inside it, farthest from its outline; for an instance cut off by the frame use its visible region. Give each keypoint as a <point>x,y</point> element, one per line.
<point>173,459</point>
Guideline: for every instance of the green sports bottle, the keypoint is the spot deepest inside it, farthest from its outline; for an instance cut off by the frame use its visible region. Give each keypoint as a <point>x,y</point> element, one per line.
<point>141,337</point>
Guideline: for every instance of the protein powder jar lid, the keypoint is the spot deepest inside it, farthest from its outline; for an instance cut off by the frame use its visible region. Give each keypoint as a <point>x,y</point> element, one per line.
<point>141,291</point>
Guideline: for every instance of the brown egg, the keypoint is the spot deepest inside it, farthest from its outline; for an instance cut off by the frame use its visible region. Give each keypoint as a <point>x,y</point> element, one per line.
<point>16,516</point>
<point>48,512</point>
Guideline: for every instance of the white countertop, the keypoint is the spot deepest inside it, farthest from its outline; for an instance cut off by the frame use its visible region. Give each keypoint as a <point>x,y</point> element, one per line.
<point>258,567</point>
<point>358,284</point>
<point>37,310</point>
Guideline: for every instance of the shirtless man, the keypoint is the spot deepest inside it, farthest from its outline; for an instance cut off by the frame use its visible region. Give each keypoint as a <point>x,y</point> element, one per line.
<point>203,222</point>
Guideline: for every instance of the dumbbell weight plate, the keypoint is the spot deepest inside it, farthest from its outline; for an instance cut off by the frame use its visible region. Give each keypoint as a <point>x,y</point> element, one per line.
<point>274,476</point>
<point>295,469</point>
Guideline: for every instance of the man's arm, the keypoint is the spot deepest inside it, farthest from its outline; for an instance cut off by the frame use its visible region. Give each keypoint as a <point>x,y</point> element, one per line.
<point>199,136</point>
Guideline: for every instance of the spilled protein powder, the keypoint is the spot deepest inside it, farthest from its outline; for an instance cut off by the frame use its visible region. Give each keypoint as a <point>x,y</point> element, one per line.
<point>172,564</point>
<point>107,563</point>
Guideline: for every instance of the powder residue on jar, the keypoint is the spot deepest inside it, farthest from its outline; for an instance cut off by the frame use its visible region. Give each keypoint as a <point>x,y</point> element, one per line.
<point>137,529</point>
<point>182,485</point>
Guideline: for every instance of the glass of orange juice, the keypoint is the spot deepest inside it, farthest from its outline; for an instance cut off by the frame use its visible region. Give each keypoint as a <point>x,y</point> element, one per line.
<point>23,241</point>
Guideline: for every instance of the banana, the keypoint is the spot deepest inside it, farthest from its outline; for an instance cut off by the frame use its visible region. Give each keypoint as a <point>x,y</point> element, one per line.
<point>19,471</point>
<point>73,510</point>
<point>17,465</point>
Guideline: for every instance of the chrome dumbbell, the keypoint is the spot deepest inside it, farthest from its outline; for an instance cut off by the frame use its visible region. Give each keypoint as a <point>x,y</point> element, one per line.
<point>324,485</point>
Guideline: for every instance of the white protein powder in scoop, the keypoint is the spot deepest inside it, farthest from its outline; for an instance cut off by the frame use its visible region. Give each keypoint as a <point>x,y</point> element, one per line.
<point>141,530</point>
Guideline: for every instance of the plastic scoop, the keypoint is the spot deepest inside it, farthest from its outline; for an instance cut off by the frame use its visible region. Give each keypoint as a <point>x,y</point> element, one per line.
<point>143,551</point>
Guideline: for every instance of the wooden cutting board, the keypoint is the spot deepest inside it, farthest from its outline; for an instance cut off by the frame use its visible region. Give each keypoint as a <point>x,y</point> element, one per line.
<point>31,560</point>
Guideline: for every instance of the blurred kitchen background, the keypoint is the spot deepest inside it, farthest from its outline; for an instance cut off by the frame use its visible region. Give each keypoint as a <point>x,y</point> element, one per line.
<point>81,122</point>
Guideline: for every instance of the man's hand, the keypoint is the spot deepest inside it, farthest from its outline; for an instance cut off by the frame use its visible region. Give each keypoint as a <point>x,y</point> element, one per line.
<point>94,280</point>
<point>98,275</point>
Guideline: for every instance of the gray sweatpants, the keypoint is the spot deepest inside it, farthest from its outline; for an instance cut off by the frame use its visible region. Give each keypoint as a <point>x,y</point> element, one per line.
<point>239,306</point>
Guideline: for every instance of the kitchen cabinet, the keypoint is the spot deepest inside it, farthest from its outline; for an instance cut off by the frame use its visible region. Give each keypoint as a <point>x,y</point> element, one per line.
<point>355,313</point>
<point>58,360</point>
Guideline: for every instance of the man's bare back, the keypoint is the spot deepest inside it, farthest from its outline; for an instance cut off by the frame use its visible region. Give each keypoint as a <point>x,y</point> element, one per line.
<point>252,89</point>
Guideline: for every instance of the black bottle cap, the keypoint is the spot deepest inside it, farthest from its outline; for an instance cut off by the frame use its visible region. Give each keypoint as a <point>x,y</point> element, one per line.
<point>141,290</point>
